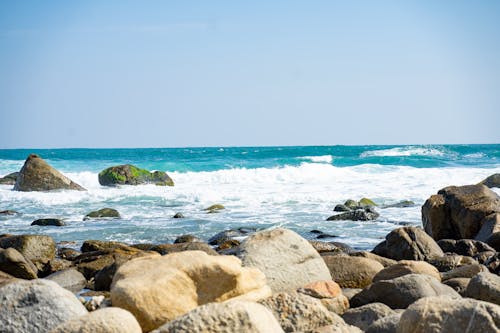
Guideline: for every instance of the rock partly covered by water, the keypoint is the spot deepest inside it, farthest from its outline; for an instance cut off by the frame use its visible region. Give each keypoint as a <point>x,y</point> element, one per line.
<point>128,174</point>
<point>159,289</point>
<point>492,181</point>
<point>9,179</point>
<point>38,175</point>
<point>288,260</point>
<point>458,212</point>
<point>104,213</point>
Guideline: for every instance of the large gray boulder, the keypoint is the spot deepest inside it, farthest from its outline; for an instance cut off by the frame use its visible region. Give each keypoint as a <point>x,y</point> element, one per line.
<point>450,315</point>
<point>36,306</point>
<point>128,174</point>
<point>227,317</point>
<point>485,287</point>
<point>408,243</point>
<point>69,279</point>
<point>458,212</point>
<point>387,324</point>
<point>107,320</point>
<point>287,260</point>
<point>366,315</point>
<point>296,312</point>
<point>14,263</point>
<point>400,292</point>
<point>38,175</point>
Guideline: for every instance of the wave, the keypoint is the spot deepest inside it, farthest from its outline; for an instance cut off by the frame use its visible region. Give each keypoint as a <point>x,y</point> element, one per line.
<point>403,151</point>
<point>318,159</point>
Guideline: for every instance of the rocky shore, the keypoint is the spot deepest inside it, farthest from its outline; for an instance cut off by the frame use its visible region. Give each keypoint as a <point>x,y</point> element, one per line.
<point>442,277</point>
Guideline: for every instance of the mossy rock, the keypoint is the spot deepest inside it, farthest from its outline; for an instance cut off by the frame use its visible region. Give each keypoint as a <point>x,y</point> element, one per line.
<point>105,213</point>
<point>128,174</point>
<point>9,179</point>
<point>364,202</point>
<point>352,204</point>
<point>214,208</point>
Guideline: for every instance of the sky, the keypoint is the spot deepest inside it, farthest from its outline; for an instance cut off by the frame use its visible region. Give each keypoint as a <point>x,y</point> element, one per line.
<point>232,73</point>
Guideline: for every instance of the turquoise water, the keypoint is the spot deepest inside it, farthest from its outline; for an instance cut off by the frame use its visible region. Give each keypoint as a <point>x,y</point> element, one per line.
<point>295,187</point>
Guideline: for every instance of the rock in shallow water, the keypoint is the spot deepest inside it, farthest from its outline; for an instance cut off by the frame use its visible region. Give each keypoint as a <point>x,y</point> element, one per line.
<point>366,214</point>
<point>49,222</point>
<point>104,213</point>
<point>131,175</point>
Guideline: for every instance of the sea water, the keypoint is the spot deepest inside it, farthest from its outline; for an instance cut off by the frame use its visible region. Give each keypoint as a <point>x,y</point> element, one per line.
<point>261,187</point>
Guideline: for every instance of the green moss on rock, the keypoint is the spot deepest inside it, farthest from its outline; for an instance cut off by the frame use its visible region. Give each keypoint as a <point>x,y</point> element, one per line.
<point>128,174</point>
<point>102,214</point>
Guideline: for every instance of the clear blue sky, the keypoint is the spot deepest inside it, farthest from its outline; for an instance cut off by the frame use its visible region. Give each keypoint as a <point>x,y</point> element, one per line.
<point>232,73</point>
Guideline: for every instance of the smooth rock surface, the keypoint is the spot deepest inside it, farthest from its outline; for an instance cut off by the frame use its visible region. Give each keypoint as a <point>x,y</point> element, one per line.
<point>405,267</point>
<point>352,272</point>
<point>366,315</point>
<point>15,264</point>
<point>37,248</point>
<point>69,279</point>
<point>485,287</point>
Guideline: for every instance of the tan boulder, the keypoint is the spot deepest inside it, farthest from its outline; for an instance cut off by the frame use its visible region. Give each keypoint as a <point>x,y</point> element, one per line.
<point>466,271</point>
<point>407,267</point>
<point>352,272</point>
<point>383,260</point>
<point>107,320</point>
<point>159,289</point>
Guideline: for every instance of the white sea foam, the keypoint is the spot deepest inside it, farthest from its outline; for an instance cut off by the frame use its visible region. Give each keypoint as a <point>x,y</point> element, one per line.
<point>318,159</point>
<point>403,151</point>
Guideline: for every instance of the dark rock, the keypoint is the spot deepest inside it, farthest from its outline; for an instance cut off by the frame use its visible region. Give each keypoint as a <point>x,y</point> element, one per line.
<point>451,261</point>
<point>341,208</point>
<point>37,175</point>
<point>482,257</point>
<point>458,284</point>
<point>98,245</point>
<point>493,263</point>
<point>104,277</point>
<point>8,212</point>
<point>494,241</point>
<point>229,244</point>
<point>69,279</point>
<point>464,247</point>
<point>49,222</point>
<point>55,265</point>
<point>180,247</point>
<point>15,264</point>
<point>351,204</point>
<point>365,315</point>
<point>466,271</point>
<point>485,287</point>
<point>187,239</point>
<point>68,253</point>
<point>105,213</point>
<point>401,204</point>
<point>458,212</point>
<point>490,225</point>
<point>178,216</point>
<point>400,292</point>
<point>131,175</point>
<point>492,181</point>
<point>322,236</point>
<point>10,179</point>
<point>366,214</point>
<point>408,243</point>
<point>37,248</point>
<point>224,236</point>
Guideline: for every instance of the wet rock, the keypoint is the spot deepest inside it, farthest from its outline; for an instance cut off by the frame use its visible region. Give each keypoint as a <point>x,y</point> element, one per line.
<point>494,241</point>
<point>366,214</point>
<point>450,315</point>
<point>365,202</point>
<point>178,216</point>
<point>69,279</point>
<point>9,179</point>
<point>457,212</point>
<point>408,243</point>
<point>187,239</point>
<point>15,264</point>
<point>104,213</point>
<point>401,204</point>
<point>36,306</point>
<point>131,175</point>
<point>214,208</point>
<point>227,317</point>
<point>400,292</point>
<point>228,245</point>
<point>37,175</point>
<point>8,212</point>
<point>158,289</point>
<point>352,272</point>
<point>287,260</point>
<point>227,235</point>
<point>341,208</point>
<point>49,222</point>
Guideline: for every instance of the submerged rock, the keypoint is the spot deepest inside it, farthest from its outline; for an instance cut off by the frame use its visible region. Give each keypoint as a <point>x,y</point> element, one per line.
<point>49,222</point>
<point>9,179</point>
<point>128,174</point>
<point>214,208</point>
<point>178,216</point>
<point>8,212</point>
<point>366,214</point>
<point>38,175</point>
<point>104,213</point>
<point>401,204</point>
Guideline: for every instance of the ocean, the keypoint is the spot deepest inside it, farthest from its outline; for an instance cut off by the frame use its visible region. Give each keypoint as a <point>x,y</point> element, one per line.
<point>261,187</point>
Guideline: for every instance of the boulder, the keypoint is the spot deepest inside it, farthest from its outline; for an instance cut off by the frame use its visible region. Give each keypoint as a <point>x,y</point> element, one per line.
<point>329,293</point>
<point>104,213</point>
<point>405,267</point>
<point>466,271</point>
<point>341,208</point>
<point>178,216</point>
<point>493,263</point>
<point>324,247</point>
<point>15,264</point>
<point>366,315</point>
<point>387,324</point>
<point>450,315</point>
<point>214,208</point>
<point>36,306</point>
<point>8,212</point>
<point>365,202</point>
<point>49,222</point>
<point>68,253</point>
<point>107,320</point>
<point>296,312</point>
<point>38,175</point>
<point>69,279</point>
<point>494,241</point>
<point>9,179</point>
<point>39,249</point>
<point>159,289</point>
<point>485,287</point>
<point>352,272</point>
<point>227,317</point>
<point>187,239</point>
<point>490,226</point>
<point>179,247</point>
<point>365,214</point>
<point>451,261</point>
<point>464,247</point>
<point>491,181</point>
<point>400,292</point>
<point>225,235</point>
<point>365,254</point>
<point>131,175</point>
<point>92,245</point>
<point>408,243</point>
<point>458,212</point>
<point>287,260</point>
<point>458,284</point>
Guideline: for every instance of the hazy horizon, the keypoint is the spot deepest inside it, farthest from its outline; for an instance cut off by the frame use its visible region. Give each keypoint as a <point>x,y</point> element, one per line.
<point>123,74</point>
